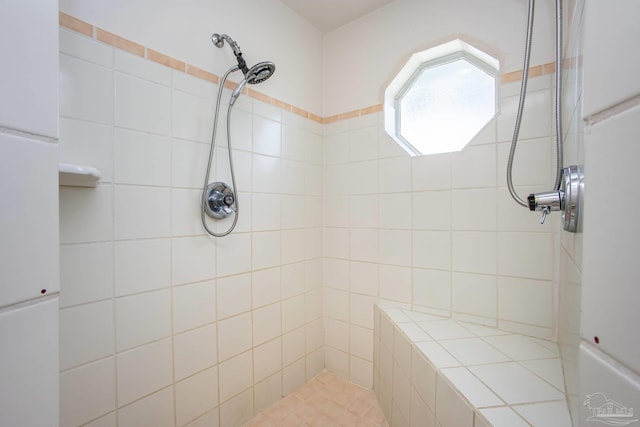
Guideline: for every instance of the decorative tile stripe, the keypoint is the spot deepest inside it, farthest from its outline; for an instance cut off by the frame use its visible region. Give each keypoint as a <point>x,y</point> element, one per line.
<point>119,42</point>
<point>160,58</point>
<point>537,71</point>
<point>75,24</point>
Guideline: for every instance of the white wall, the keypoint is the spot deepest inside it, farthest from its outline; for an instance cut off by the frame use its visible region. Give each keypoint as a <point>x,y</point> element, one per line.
<point>362,57</point>
<point>160,323</point>
<point>29,273</point>
<point>264,30</point>
<point>436,233</point>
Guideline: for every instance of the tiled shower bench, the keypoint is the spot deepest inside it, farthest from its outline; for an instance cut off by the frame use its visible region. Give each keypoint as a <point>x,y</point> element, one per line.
<point>434,371</point>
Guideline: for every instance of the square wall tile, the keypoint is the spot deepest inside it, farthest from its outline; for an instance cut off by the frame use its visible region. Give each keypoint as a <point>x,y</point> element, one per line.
<point>527,255</point>
<point>191,117</point>
<point>264,255</point>
<point>142,105</point>
<point>87,89</point>
<point>86,215</point>
<point>141,265</point>
<point>237,410</point>
<point>431,172</point>
<point>474,351</point>
<point>143,371</point>
<point>266,324</point>
<point>363,177</point>
<point>266,211</point>
<point>155,410</point>
<point>475,294</point>
<point>389,214</point>
<point>234,336</point>
<point>514,384</point>
<point>233,295</point>
<point>421,415</point>
<point>395,247</point>
<point>187,166</point>
<point>194,351</point>
<point>536,117</point>
<point>133,216</point>
<point>196,395</point>
<point>267,392</point>
<point>86,333</point>
<point>474,167</point>
<point>474,252</point>
<point>293,346</point>
<point>470,387</point>
<point>526,301</point>
<point>192,259</point>
<point>142,318</point>
<point>233,254</point>
<point>265,286</point>
<point>336,334</point>
<point>395,283</point>
<point>431,210</point>
<point>361,342</point>
<point>432,249</point>
<point>474,209</point>
<point>423,378</point>
<point>129,147</point>
<point>432,288</point>
<point>193,306</point>
<point>363,278</point>
<point>236,375</point>
<point>80,400</point>
<point>451,408</point>
<point>363,244</point>
<point>395,175</point>
<point>267,360</point>
<point>86,273</point>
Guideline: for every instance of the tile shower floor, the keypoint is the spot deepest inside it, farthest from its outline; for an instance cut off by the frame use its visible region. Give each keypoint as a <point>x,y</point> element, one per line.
<point>324,401</point>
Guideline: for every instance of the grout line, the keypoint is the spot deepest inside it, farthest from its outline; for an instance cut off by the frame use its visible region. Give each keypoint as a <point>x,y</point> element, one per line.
<point>82,27</point>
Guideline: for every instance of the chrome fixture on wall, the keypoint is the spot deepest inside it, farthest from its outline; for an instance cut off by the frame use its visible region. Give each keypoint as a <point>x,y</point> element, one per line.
<point>567,193</point>
<point>220,200</point>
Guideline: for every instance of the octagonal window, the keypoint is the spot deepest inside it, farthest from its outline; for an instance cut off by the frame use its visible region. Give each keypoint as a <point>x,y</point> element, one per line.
<point>441,99</point>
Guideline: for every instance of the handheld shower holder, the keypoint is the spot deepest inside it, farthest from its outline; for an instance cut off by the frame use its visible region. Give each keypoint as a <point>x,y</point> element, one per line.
<point>567,199</point>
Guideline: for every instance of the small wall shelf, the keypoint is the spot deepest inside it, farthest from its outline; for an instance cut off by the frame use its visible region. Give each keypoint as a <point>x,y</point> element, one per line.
<point>78,175</point>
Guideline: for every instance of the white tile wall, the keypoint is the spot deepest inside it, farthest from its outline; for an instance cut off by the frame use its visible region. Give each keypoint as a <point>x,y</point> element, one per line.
<point>422,235</point>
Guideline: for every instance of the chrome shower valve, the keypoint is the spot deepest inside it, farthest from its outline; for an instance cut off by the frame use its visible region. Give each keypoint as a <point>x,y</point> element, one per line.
<point>567,199</point>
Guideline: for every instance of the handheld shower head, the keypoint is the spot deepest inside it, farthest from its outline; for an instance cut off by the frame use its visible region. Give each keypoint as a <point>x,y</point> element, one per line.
<point>254,75</point>
<point>260,72</point>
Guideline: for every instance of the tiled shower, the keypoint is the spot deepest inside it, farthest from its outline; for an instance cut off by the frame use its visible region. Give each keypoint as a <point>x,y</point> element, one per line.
<point>162,325</point>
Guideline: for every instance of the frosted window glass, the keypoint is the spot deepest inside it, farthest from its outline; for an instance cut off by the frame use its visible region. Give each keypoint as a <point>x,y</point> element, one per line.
<point>446,106</point>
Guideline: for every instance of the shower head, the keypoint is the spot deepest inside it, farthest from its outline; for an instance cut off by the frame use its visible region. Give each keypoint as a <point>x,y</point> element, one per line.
<point>254,75</point>
<point>260,72</point>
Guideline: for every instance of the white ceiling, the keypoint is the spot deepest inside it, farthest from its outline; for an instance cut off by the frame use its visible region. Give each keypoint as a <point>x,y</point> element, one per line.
<point>327,15</point>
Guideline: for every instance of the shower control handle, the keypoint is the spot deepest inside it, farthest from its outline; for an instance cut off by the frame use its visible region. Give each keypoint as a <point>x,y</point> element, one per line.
<point>219,200</point>
<point>567,199</point>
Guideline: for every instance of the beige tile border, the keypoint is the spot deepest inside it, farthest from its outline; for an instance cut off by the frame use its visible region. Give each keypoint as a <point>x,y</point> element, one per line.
<point>75,24</point>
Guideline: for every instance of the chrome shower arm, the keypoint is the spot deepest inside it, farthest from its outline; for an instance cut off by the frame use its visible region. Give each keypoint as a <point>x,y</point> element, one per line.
<point>219,39</point>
